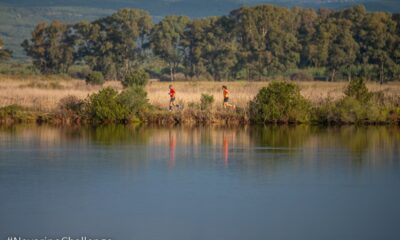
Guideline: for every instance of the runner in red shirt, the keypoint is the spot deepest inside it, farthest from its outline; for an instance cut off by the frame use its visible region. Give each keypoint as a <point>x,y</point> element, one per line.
<point>172,97</point>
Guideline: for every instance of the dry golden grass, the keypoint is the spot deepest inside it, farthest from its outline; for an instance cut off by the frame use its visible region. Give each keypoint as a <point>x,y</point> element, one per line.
<point>43,93</point>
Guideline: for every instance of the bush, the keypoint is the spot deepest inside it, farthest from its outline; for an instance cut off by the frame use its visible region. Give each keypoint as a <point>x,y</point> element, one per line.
<point>358,90</point>
<point>138,77</point>
<point>134,99</point>
<point>301,76</point>
<point>71,104</point>
<point>206,101</point>
<point>95,78</point>
<point>10,111</point>
<point>351,110</point>
<point>280,102</point>
<point>325,112</point>
<point>15,113</point>
<point>104,107</point>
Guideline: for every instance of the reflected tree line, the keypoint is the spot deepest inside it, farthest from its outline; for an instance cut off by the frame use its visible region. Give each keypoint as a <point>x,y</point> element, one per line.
<point>365,144</point>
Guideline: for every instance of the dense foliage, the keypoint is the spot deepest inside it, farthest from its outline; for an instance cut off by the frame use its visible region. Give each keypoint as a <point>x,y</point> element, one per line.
<point>357,106</point>
<point>137,77</point>
<point>134,98</point>
<point>95,78</point>
<point>280,102</point>
<point>109,106</point>
<point>104,107</point>
<point>249,43</point>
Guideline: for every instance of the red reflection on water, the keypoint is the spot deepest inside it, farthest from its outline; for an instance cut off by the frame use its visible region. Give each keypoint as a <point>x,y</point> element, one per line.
<point>226,150</point>
<point>172,146</point>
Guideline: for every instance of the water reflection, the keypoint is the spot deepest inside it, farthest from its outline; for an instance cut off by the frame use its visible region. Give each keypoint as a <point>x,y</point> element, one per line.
<point>172,146</point>
<point>137,182</point>
<point>226,150</point>
<point>364,144</point>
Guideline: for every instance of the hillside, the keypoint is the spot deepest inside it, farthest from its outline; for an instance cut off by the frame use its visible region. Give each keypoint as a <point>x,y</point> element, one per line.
<point>16,24</point>
<point>18,17</point>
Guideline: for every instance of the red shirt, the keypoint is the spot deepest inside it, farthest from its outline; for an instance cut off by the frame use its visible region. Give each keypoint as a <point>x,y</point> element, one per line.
<point>172,92</point>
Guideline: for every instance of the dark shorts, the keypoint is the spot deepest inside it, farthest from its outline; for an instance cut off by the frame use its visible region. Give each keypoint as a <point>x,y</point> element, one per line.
<point>172,99</point>
<point>226,100</point>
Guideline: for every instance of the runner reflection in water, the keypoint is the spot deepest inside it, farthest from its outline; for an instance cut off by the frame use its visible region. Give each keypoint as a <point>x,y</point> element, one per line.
<point>172,146</point>
<point>226,150</point>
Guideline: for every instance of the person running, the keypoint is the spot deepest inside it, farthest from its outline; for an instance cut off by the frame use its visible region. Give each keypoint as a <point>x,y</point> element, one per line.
<point>172,97</point>
<point>226,98</point>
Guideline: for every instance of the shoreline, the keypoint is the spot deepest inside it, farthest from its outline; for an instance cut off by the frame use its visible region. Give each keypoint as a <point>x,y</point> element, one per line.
<point>187,117</point>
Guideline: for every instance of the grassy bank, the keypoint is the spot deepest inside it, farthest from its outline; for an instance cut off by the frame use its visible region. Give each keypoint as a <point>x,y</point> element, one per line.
<point>42,99</point>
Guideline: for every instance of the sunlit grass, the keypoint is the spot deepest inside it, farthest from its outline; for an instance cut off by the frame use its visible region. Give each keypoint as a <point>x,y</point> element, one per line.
<point>42,93</point>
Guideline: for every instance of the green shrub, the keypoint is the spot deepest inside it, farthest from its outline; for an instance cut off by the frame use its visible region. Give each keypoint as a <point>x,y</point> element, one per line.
<point>95,78</point>
<point>104,107</point>
<point>138,77</point>
<point>134,99</point>
<point>10,111</point>
<point>350,110</point>
<point>71,104</point>
<point>325,112</point>
<point>358,90</point>
<point>15,113</point>
<point>280,102</point>
<point>206,101</point>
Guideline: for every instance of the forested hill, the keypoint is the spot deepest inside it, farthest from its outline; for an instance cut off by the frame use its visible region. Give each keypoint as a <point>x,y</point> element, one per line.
<point>18,17</point>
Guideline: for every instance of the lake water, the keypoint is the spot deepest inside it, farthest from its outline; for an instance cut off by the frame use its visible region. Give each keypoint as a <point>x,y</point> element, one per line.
<point>200,183</point>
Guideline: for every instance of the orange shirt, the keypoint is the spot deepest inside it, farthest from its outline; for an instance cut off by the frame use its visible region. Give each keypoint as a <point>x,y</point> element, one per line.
<point>172,92</point>
<point>226,93</point>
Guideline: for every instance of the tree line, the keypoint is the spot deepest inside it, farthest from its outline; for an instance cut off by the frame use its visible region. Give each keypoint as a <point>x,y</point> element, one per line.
<point>249,43</point>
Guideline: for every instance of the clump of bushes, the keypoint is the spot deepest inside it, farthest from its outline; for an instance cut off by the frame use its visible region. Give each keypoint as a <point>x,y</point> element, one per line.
<point>137,77</point>
<point>358,90</point>
<point>70,109</point>
<point>95,78</point>
<point>15,114</point>
<point>280,102</point>
<point>71,104</point>
<point>104,107</point>
<point>108,105</point>
<point>206,101</point>
<point>134,99</point>
<point>358,106</point>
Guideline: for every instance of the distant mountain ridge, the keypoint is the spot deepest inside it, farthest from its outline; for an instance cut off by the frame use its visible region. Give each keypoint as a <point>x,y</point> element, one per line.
<point>198,8</point>
<point>18,17</point>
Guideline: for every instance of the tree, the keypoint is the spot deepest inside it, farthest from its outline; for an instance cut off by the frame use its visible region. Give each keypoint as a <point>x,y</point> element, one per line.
<point>5,54</point>
<point>305,23</point>
<point>114,44</point>
<point>51,47</point>
<point>267,39</point>
<point>167,41</point>
<point>379,43</point>
<point>195,41</point>
<point>219,49</point>
<point>343,49</point>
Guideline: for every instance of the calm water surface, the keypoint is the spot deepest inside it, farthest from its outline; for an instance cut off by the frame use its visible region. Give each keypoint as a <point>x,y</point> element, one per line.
<point>200,183</point>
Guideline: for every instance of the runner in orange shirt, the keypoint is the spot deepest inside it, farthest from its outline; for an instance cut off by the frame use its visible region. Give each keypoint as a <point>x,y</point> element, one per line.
<point>226,98</point>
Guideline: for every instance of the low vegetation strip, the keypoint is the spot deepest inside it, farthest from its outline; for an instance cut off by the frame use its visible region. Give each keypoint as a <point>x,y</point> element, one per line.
<point>279,102</point>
